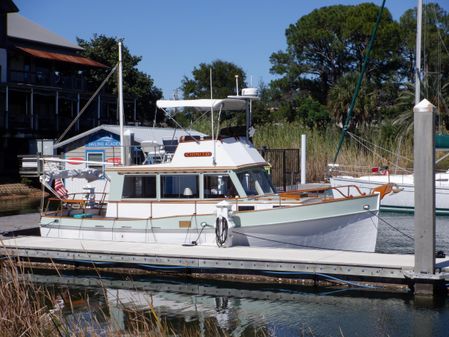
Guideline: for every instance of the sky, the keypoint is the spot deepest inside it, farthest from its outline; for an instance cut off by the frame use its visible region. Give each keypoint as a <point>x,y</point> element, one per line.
<point>175,36</point>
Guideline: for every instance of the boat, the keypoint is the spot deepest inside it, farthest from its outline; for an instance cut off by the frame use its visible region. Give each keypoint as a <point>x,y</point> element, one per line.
<point>403,199</point>
<point>215,191</point>
<point>404,187</point>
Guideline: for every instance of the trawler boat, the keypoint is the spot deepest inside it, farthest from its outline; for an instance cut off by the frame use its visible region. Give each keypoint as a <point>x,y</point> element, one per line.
<point>215,191</point>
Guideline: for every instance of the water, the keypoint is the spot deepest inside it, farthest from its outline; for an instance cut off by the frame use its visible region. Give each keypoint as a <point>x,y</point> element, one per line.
<point>251,309</point>
<point>257,309</point>
<point>19,206</point>
<point>396,233</point>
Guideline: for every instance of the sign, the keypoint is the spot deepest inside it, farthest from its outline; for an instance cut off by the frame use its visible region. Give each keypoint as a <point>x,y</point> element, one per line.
<point>197,154</point>
<point>114,160</point>
<point>105,140</point>
<point>75,160</point>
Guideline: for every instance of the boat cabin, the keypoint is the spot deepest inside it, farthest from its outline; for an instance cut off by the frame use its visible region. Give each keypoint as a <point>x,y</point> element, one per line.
<point>200,172</point>
<point>236,169</point>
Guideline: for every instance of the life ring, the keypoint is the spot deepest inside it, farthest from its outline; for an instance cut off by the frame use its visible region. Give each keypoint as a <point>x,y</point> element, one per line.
<point>221,231</point>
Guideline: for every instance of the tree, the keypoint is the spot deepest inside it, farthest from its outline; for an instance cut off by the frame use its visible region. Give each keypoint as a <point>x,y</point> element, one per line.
<point>331,42</point>
<point>435,37</point>
<point>136,84</point>
<point>340,96</point>
<point>223,80</point>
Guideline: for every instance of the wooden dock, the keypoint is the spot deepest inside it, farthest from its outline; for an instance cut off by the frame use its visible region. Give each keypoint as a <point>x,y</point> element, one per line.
<point>279,263</point>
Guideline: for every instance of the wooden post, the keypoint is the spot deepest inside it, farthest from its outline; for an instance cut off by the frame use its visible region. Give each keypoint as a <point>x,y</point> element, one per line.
<point>303,159</point>
<point>57,110</point>
<point>98,110</point>
<point>7,108</point>
<point>32,124</point>
<point>424,179</point>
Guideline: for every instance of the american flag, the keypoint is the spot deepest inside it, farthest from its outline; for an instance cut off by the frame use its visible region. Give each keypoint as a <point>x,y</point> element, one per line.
<point>60,189</point>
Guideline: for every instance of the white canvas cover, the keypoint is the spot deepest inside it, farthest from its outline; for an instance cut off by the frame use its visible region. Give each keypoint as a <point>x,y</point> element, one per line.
<point>204,104</point>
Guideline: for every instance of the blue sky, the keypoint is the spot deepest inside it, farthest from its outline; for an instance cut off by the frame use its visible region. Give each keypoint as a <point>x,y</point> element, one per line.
<point>174,36</point>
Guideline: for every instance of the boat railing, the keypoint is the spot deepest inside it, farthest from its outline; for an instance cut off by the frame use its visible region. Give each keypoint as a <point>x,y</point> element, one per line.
<point>320,192</point>
<point>79,203</point>
<point>359,171</point>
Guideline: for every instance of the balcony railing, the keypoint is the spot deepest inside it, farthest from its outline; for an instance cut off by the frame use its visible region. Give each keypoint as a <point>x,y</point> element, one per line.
<point>47,78</point>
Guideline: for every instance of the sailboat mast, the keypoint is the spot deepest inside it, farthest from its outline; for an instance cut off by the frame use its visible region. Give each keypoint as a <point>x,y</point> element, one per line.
<point>214,162</point>
<point>418,52</point>
<point>120,103</point>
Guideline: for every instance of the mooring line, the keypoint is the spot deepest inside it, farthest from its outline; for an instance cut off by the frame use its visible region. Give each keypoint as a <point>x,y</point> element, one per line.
<point>291,243</point>
<point>396,229</point>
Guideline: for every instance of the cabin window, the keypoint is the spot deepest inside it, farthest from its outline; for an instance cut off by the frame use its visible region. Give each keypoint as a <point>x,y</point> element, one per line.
<point>218,186</point>
<point>255,182</point>
<point>139,187</point>
<point>179,186</point>
<point>93,157</point>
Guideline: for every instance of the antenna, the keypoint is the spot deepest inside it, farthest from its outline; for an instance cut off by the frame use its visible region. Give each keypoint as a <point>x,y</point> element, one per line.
<point>237,85</point>
<point>212,115</point>
<point>418,52</point>
<point>120,103</point>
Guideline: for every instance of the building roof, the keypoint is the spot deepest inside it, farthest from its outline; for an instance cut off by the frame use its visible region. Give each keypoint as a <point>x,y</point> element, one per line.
<point>8,6</point>
<point>141,133</point>
<point>21,28</point>
<point>62,57</point>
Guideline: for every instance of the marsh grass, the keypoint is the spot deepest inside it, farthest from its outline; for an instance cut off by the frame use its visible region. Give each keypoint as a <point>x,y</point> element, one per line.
<point>32,309</point>
<point>369,147</point>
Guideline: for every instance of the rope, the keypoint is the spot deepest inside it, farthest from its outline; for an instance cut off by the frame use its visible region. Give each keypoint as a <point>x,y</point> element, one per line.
<point>328,277</point>
<point>87,104</point>
<point>221,231</point>
<point>376,154</point>
<point>359,81</point>
<point>293,244</point>
<point>378,146</point>
<point>389,224</point>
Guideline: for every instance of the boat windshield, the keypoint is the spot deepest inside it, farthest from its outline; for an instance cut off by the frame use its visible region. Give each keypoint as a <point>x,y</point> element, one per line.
<point>255,182</point>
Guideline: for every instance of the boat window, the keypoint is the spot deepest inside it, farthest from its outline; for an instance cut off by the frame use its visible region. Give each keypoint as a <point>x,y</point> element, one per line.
<point>139,187</point>
<point>255,182</point>
<point>179,186</point>
<point>218,186</point>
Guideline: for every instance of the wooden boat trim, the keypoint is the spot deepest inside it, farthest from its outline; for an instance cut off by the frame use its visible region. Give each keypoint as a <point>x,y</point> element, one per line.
<point>166,169</point>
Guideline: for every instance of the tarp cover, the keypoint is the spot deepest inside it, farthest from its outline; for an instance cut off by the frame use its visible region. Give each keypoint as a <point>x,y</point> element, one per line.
<point>204,104</point>
<point>88,174</point>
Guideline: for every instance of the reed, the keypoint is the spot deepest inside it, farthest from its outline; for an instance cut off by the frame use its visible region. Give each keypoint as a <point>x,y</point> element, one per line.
<point>31,309</point>
<point>370,148</point>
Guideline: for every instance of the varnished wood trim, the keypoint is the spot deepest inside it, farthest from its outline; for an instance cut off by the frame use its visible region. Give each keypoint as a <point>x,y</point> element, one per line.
<point>142,169</point>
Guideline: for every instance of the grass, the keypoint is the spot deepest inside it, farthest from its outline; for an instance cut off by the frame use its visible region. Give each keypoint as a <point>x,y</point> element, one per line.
<point>370,147</point>
<point>30,309</point>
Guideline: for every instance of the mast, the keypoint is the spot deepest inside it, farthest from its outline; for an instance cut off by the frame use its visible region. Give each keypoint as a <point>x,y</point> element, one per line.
<point>214,162</point>
<point>418,52</point>
<point>120,103</point>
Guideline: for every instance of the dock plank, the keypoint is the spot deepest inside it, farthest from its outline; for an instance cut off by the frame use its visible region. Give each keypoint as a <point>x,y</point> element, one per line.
<point>355,264</point>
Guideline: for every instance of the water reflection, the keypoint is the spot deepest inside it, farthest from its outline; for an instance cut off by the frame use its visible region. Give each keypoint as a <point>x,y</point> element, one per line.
<point>246,309</point>
<point>20,206</point>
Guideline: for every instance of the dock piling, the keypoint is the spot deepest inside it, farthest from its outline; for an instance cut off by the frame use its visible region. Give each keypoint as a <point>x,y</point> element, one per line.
<point>424,179</point>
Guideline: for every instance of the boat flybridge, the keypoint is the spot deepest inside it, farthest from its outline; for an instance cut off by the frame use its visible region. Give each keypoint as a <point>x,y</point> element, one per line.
<point>215,191</point>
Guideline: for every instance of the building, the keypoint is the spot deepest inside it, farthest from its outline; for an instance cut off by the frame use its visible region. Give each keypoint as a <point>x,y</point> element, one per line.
<point>102,144</point>
<point>43,87</point>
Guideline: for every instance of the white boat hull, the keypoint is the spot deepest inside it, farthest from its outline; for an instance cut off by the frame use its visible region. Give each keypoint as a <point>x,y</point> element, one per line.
<point>348,224</point>
<point>401,201</point>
